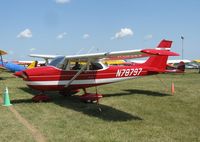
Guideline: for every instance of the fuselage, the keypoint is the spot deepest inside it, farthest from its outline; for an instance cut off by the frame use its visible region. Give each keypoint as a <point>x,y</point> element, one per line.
<point>50,78</point>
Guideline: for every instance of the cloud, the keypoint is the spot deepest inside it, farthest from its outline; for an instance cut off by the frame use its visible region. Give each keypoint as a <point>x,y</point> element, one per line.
<point>32,49</point>
<point>62,1</point>
<point>25,34</point>
<point>148,37</point>
<point>86,36</point>
<point>124,32</point>
<point>62,35</point>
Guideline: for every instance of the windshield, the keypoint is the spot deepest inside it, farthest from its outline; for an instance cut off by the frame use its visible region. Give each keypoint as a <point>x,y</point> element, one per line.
<point>57,62</point>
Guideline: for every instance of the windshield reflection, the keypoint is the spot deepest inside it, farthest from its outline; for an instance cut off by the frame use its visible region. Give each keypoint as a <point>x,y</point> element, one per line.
<point>58,62</point>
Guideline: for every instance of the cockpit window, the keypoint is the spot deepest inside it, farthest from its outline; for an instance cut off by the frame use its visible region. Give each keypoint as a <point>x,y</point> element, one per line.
<point>58,62</point>
<point>95,66</point>
<point>62,63</point>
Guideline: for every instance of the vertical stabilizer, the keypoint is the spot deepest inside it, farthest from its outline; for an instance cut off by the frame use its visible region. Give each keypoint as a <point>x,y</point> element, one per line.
<point>159,61</point>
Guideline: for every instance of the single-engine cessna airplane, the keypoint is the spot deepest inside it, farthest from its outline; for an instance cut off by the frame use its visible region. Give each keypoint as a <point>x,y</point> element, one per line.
<point>60,75</point>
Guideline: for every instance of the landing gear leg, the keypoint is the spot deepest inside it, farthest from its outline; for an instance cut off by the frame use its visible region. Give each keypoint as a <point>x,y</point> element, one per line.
<point>84,90</point>
<point>99,109</point>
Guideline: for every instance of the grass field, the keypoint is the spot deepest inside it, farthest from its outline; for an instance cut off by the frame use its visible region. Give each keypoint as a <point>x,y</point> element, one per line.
<point>134,110</point>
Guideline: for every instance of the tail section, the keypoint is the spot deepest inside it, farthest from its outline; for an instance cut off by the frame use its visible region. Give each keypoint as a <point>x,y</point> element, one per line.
<point>159,60</point>
<point>164,45</point>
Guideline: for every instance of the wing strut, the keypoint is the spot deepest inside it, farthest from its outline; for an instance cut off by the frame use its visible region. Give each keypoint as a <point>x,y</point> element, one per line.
<point>77,74</point>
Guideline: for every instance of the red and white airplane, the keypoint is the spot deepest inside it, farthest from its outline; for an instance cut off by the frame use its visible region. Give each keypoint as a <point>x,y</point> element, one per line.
<point>60,75</point>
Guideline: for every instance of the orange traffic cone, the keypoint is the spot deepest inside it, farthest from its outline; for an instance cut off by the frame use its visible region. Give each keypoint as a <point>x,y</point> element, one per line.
<point>172,88</point>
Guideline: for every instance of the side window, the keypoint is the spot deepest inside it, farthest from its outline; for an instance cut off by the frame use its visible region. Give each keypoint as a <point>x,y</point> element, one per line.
<point>77,66</point>
<point>95,66</point>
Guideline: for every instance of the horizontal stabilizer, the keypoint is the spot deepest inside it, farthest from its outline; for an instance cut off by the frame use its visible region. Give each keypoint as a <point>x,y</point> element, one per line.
<point>159,52</point>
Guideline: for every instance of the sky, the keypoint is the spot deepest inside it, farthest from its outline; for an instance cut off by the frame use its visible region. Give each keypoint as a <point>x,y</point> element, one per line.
<point>68,27</point>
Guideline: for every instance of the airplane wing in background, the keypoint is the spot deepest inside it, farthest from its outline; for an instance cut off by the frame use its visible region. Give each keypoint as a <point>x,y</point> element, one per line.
<point>3,52</point>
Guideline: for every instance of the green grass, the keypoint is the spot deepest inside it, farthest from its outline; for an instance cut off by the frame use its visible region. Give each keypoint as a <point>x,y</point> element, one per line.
<point>133,110</point>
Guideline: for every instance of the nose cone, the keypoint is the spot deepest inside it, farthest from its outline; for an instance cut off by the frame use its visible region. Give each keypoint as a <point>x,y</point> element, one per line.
<point>18,74</point>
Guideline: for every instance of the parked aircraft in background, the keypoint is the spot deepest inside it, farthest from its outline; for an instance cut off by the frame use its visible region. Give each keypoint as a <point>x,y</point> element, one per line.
<point>13,67</point>
<point>27,63</point>
<point>189,64</point>
<point>198,61</point>
<point>63,76</point>
<point>1,54</point>
<point>180,68</point>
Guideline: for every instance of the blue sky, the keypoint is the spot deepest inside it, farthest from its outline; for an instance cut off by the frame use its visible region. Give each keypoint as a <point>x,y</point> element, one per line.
<point>81,26</point>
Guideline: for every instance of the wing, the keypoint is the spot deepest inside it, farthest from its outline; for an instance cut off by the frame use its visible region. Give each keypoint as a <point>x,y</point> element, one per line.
<point>43,56</point>
<point>108,55</point>
<point>117,55</point>
<point>162,49</point>
<point>104,55</point>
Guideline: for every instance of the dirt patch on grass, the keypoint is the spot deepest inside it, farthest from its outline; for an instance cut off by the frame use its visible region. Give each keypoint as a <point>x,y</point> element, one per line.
<point>35,133</point>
